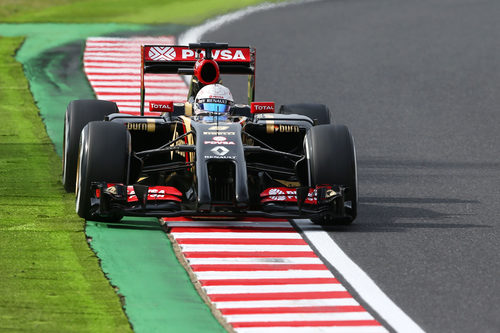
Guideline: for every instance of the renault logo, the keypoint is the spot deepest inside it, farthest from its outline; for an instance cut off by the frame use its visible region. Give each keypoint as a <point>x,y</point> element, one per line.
<point>219,150</point>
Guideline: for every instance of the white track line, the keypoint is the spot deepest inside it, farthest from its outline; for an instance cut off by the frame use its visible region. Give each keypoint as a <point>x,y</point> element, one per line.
<point>357,278</point>
<point>316,329</point>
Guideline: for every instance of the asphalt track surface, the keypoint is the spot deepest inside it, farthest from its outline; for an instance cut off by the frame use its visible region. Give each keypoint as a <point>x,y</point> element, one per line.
<point>418,83</point>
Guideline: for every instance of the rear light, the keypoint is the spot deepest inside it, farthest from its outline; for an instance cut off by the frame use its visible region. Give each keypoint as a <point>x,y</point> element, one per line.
<point>262,107</point>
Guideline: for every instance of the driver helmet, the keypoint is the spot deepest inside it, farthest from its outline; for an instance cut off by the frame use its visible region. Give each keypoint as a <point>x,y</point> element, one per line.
<point>213,98</point>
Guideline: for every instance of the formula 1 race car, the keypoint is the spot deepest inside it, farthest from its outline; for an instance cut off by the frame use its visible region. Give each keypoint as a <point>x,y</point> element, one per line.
<point>251,161</point>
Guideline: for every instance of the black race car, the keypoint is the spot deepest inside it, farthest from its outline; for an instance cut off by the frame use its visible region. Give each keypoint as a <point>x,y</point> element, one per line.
<point>292,163</point>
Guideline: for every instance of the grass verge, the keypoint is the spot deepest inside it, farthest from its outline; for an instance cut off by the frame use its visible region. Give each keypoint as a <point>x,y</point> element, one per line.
<point>50,279</point>
<point>120,11</point>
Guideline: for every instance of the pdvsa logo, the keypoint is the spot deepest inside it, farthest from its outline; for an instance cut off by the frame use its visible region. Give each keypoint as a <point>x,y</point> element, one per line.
<point>159,53</point>
<point>217,54</point>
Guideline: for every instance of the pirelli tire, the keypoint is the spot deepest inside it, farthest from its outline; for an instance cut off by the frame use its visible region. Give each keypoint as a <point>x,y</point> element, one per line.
<point>331,157</point>
<point>78,114</point>
<point>319,113</point>
<point>104,155</point>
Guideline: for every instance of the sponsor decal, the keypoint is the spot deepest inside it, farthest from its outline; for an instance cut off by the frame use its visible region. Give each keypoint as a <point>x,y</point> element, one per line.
<point>218,128</point>
<point>228,54</point>
<point>219,143</point>
<point>277,194</point>
<point>286,129</point>
<point>183,53</point>
<point>155,106</point>
<point>219,133</point>
<point>159,53</point>
<point>287,195</point>
<point>219,138</point>
<point>219,157</point>
<point>148,126</point>
<point>156,193</point>
<point>262,107</point>
<point>219,150</point>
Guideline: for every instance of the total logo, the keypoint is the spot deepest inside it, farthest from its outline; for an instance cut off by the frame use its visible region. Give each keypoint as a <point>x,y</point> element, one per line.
<point>161,106</point>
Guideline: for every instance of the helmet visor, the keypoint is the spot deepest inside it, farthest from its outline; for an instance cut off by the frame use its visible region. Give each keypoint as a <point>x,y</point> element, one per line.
<point>214,107</point>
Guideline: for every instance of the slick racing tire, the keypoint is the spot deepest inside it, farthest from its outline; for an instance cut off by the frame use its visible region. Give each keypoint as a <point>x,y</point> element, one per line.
<point>331,158</point>
<point>318,112</point>
<point>104,155</point>
<point>78,114</point>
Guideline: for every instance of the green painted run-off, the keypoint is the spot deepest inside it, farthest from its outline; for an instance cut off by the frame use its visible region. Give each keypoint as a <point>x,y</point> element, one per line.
<point>136,255</point>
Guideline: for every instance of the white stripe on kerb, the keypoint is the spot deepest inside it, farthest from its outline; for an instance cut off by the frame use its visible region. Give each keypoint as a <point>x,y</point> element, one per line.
<point>137,90</point>
<point>237,235</point>
<point>280,288</point>
<point>256,261</point>
<point>287,303</point>
<point>243,248</point>
<point>224,275</point>
<point>113,70</point>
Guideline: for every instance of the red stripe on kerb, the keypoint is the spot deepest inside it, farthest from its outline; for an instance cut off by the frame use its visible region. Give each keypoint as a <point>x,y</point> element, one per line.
<point>236,254</point>
<point>242,241</point>
<point>278,296</point>
<point>298,309</point>
<point>258,267</point>
<point>261,282</point>
<point>329,323</point>
<point>231,229</point>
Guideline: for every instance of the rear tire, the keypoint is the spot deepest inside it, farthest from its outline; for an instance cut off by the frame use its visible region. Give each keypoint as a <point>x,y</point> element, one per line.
<point>331,158</point>
<point>104,155</point>
<point>319,112</point>
<point>78,114</point>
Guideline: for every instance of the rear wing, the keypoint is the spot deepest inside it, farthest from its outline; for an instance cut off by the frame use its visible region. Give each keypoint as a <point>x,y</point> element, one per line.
<point>178,59</point>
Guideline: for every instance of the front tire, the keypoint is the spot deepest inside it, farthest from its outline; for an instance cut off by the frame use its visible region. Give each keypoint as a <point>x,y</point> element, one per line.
<point>78,114</point>
<point>331,159</point>
<point>104,155</point>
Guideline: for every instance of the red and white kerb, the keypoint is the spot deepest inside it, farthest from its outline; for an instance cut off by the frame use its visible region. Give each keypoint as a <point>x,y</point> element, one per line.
<point>113,68</point>
<point>263,277</point>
